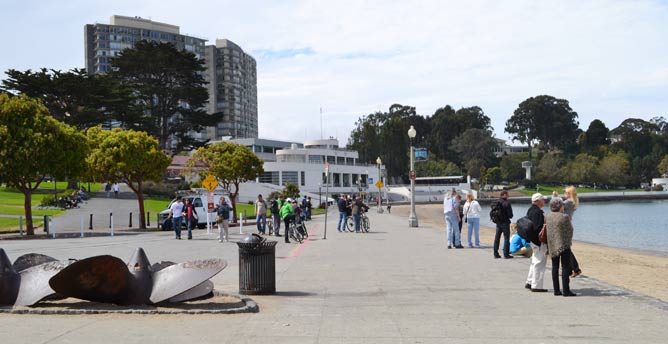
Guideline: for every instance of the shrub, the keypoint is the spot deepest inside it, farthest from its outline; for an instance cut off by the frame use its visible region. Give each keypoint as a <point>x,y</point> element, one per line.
<point>161,189</point>
<point>529,184</point>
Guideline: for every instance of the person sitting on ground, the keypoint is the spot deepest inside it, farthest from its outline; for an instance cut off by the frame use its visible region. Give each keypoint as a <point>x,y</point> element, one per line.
<point>559,240</point>
<point>518,245</point>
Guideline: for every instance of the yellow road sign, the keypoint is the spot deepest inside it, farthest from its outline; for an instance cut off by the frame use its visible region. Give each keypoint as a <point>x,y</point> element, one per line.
<point>210,183</point>
<point>379,184</point>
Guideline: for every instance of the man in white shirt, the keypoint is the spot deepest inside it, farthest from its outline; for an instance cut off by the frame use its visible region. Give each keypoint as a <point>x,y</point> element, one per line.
<point>451,211</point>
<point>176,212</point>
<point>116,190</point>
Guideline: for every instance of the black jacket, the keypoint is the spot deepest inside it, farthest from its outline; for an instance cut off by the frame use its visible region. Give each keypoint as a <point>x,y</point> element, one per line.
<point>506,211</point>
<point>536,216</point>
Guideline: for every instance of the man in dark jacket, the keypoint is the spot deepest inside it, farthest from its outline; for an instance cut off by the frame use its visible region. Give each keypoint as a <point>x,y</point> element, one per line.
<point>539,255</point>
<point>342,204</point>
<point>503,227</point>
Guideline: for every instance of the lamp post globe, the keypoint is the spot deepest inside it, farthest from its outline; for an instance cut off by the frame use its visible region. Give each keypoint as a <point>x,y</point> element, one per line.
<point>412,217</point>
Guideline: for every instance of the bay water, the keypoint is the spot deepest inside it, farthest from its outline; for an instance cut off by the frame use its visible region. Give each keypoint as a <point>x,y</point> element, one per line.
<point>640,225</point>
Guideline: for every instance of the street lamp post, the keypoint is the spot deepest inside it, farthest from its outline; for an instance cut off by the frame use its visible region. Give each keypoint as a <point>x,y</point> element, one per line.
<point>380,197</point>
<point>412,217</point>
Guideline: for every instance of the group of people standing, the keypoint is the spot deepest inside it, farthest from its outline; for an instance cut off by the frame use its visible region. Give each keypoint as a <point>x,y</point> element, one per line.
<point>555,241</point>
<point>288,211</point>
<point>350,206</point>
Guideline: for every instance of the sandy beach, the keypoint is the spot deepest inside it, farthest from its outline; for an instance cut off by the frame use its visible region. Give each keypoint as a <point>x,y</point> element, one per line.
<point>638,271</point>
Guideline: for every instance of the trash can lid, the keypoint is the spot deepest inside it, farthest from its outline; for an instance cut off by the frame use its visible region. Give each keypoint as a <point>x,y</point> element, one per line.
<point>252,239</point>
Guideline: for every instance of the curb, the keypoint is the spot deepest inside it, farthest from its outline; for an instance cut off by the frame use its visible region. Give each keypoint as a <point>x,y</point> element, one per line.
<point>250,306</point>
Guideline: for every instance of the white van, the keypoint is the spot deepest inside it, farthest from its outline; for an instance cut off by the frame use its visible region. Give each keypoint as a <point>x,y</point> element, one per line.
<point>200,205</point>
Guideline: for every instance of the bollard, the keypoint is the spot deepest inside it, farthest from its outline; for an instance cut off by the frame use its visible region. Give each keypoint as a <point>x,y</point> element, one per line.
<point>52,226</point>
<point>21,225</point>
<point>157,221</point>
<point>148,219</point>
<point>90,226</point>
<point>46,224</point>
<point>130,224</point>
<point>82,226</point>
<point>241,223</point>
<point>110,216</point>
<point>209,224</point>
<point>111,223</point>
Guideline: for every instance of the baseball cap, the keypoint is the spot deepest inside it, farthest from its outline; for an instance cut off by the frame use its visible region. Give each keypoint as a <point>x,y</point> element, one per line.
<point>536,197</point>
<point>289,200</point>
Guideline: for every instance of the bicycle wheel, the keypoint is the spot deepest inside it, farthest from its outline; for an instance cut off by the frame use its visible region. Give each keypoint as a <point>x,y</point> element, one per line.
<point>303,231</point>
<point>294,233</point>
<point>350,224</point>
<point>366,224</point>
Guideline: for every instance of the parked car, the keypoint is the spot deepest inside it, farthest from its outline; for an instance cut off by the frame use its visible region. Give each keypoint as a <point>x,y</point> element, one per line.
<point>199,202</point>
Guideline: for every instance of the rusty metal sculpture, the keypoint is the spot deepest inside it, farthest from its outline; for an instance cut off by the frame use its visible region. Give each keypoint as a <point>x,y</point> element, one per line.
<point>108,279</point>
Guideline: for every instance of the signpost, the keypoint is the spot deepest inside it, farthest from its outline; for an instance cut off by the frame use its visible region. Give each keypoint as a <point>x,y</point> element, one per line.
<point>210,183</point>
<point>326,199</point>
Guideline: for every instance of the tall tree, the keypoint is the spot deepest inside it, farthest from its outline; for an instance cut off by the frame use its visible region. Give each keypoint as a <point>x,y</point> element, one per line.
<point>546,119</point>
<point>475,144</point>
<point>596,135</point>
<point>170,88</point>
<point>613,170</point>
<point>663,166</point>
<point>580,170</point>
<point>128,155</point>
<point>77,98</point>
<point>33,145</point>
<point>230,163</point>
<point>549,168</point>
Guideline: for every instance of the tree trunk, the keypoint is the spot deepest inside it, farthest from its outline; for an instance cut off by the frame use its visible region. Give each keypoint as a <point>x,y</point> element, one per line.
<point>233,198</point>
<point>27,205</point>
<point>140,199</point>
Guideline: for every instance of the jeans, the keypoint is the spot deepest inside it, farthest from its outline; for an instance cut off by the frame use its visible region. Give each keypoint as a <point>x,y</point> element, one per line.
<point>176,222</point>
<point>261,220</point>
<point>537,268</point>
<point>565,273</point>
<point>288,219</point>
<point>277,222</point>
<point>474,227</point>
<point>356,218</point>
<point>505,229</point>
<point>189,224</point>
<point>452,224</point>
<point>342,219</point>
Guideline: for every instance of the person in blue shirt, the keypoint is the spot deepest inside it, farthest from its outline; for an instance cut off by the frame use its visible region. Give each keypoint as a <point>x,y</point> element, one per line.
<point>519,246</point>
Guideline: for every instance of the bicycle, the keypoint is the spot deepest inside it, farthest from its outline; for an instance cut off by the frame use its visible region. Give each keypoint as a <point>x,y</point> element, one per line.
<point>365,223</point>
<point>295,233</point>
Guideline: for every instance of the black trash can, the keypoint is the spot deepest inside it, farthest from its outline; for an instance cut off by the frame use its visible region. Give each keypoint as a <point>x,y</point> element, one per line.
<point>257,266</point>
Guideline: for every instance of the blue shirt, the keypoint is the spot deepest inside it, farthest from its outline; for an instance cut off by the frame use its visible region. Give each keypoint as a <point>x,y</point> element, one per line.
<point>517,242</point>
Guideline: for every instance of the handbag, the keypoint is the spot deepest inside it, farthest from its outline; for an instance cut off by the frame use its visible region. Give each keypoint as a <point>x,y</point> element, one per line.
<point>466,214</point>
<point>542,236</point>
<point>219,219</point>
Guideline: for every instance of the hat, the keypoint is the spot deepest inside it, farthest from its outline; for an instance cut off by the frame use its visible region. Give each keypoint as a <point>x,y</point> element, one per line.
<point>536,197</point>
<point>289,200</point>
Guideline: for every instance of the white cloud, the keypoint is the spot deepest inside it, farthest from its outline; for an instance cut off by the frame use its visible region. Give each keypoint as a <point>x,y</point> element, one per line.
<point>356,57</point>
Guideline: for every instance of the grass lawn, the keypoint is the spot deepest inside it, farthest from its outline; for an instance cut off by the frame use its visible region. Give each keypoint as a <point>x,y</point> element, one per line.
<point>9,224</point>
<point>547,190</point>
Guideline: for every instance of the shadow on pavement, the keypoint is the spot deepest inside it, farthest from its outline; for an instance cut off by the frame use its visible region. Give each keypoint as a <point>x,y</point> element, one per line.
<point>294,293</point>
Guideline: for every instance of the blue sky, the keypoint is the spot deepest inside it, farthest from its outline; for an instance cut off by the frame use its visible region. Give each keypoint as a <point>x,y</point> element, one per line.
<point>608,58</point>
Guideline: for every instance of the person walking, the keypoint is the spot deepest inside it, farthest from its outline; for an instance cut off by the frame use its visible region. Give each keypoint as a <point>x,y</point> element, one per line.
<point>452,216</point>
<point>116,190</point>
<point>503,226</point>
<point>223,219</point>
<point>342,204</point>
<point>471,215</point>
<point>288,215</point>
<point>308,207</point>
<point>190,217</point>
<point>176,213</point>
<point>261,215</point>
<point>559,240</point>
<point>275,216</point>
<point>539,254</point>
<point>107,188</point>
<point>571,204</point>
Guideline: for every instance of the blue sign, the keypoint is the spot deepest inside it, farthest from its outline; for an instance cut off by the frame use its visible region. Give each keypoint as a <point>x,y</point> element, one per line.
<point>370,180</point>
<point>420,154</point>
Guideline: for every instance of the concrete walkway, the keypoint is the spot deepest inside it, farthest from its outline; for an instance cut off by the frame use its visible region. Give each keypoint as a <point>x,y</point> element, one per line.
<point>395,285</point>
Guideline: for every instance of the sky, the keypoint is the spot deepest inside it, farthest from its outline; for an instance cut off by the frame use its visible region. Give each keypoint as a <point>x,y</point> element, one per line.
<point>351,58</point>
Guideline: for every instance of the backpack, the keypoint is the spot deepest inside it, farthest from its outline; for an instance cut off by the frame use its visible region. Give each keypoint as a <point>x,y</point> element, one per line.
<point>496,214</point>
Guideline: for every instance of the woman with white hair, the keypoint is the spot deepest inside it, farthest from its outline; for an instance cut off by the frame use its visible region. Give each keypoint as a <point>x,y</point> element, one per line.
<point>559,240</point>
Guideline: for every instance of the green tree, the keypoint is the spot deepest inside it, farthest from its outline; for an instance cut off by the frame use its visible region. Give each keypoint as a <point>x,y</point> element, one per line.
<point>596,135</point>
<point>290,190</point>
<point>231,163</point>
<point>78,98</point>
<point>475,144</point>
<point>613,170</point>
<point>549,168</point>
<point>663,165</point>
<point>128,155</point>
<point>545,119</point>
<point>170,89</point>
<point>451,169</point>
<point>493,175</point>
<point>582,169</point>
<point>511,166</point>
<point>33,145</point>
<point>430,168</point>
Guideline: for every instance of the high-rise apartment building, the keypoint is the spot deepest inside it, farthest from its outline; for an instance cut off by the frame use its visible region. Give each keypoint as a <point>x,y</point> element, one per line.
<point>232,77</point>
<point>103,41</point>
<point>231,73</point>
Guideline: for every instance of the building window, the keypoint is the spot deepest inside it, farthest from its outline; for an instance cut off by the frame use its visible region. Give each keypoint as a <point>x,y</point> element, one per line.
<point>350,161</point>
<point>337,179</point>
<point>269,177</point>
<point>356,179</point>
<point>364,180</point>
<point>303,178</point>
<point>331,159</point>
<point>289,177</point>
<point>340,160</point>
<point>346,180</point>
<point>315,159</point>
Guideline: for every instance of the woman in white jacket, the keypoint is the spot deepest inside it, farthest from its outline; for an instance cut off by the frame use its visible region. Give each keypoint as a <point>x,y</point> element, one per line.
<point>471,213</point>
